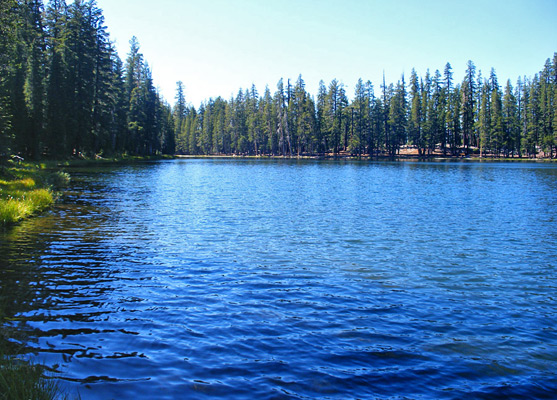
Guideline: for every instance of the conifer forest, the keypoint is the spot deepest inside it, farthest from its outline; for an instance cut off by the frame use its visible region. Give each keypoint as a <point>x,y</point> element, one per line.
<point>64,91</point>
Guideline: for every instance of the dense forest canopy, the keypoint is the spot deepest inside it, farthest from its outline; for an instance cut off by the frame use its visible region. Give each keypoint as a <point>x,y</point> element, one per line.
<point>64,92</point>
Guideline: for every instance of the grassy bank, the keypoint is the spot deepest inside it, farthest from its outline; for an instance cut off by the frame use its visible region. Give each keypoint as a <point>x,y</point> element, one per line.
<point>20,380</point>
<point>26,190</point>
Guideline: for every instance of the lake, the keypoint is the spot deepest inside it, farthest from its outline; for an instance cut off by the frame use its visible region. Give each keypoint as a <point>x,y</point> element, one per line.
<point>293,279</point>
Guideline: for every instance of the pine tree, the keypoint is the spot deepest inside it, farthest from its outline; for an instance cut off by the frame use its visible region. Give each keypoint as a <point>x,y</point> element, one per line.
<point>415,122</point>
<point>179,111</point>
<point>253,120</point>
<point>149,144</point>
<point>57,91</point>
<point>497,134</point>
<point>453,120</point>
<point>547,107</point>
<point>383,113</point>
<point>370,135</point>
<point>219,123</point>
<point>297,111</point>
<point>523,112</point>
<point>435,114</point>
<point>397,119</point>
<point>205,140</point>
<point>281,110</point>
<point>359,117</point>
<point>269,122</point>
<point>118,113</point>
<point>8,32</point>
<point>321,120</point>
<point>334,115</point>
<point>79,55</point>
<point>531,139</point>
<point>510,121</point>
<point>32,58</point>
<point>468,91</point>
<point>107,112</point>
<point>447,105</point>
<point>376,125</point>
<point>143,125</point>
<point>484,118</point>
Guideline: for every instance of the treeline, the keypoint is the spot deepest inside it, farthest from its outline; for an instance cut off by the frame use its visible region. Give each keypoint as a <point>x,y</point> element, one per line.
<point>64,91</point>
<point>430,114</point>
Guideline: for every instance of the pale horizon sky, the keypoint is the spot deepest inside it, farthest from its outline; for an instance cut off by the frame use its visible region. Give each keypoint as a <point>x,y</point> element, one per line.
<point>218,47</point>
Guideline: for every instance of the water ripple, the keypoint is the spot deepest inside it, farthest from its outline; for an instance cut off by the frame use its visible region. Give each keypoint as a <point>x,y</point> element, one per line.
<point>293,280</point>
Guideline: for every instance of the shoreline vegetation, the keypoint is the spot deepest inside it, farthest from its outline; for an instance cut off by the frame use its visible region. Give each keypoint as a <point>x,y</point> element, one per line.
<point>402,156</point>
<point>27,190</point>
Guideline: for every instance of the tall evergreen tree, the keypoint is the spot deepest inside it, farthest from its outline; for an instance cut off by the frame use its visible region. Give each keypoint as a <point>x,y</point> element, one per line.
<point>359,119</point>
<point>8,32</point>
<point>321,118</point>
<point>447,106</point>
<point>415,122</point>
<point>281,109</point>
<point>29,91</point>
<point>253,120</point>
<point>484,118</point>
<point>397,119</point>
<point>57,92</point>
<point>468,92</point>
<point>334,115</point>
<point>269,122</point>
<point>547,108</point>
<point>383,113</point>
<point>510,122</point>
<point>531,139</point>
<point>179,107</point>
<point>498,139</point>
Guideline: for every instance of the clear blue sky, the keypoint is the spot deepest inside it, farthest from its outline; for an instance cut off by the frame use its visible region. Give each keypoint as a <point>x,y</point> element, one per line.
<point>218,47</point>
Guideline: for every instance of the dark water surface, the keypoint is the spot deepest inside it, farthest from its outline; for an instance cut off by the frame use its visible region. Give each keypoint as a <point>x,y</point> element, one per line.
<point>270,279</point>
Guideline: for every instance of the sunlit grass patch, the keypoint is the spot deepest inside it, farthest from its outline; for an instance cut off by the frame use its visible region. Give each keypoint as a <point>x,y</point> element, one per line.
<point>39,199</point>
<point>11,211</point>
<point>17,184</point>
<point>24,204</point>
<point>25,192</point>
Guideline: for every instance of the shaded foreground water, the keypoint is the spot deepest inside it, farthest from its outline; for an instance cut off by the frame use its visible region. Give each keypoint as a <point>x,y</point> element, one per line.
<point>271,279</point>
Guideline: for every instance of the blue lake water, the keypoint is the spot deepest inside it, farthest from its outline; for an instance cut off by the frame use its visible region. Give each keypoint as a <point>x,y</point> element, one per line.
<point>284,279</point>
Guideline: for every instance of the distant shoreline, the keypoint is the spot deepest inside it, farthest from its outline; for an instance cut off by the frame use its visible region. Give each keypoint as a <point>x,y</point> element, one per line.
<point>399,157</point>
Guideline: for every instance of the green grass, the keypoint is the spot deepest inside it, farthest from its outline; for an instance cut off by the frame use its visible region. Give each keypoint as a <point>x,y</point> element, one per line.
<point>27,190</point>
<point>21,380</point>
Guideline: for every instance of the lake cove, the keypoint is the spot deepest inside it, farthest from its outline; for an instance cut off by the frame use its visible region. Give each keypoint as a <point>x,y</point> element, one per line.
<point>292,279</point>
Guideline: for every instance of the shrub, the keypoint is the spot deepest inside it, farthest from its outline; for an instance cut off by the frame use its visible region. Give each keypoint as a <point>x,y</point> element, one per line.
<point>58,179</point>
